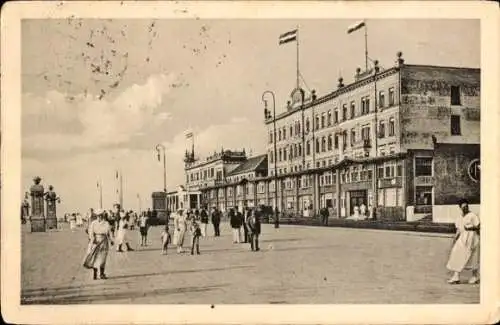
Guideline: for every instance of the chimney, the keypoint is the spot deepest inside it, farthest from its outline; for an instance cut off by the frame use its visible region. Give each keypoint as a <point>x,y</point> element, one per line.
<point>341,83</point>
<point>401,61</point>
<point>313,95</point>
<point>376,68</point>
<point>358,72</point>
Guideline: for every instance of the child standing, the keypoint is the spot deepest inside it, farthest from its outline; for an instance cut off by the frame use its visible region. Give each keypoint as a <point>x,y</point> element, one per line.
<point>165,240</point>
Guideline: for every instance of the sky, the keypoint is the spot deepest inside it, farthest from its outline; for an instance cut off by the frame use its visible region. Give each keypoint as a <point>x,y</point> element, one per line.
<point>98,95</point>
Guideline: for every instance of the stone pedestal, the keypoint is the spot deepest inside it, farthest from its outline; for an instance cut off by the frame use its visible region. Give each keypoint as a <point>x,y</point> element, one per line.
<point>160,206</point>
<point>37,205</point>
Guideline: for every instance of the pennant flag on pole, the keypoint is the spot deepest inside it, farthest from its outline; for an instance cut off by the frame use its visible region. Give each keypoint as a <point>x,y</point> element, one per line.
<point>288,37</point>
<point>97,184</point>
<point>356,26</point>
<point>116,174</point>
<point>189,135</point>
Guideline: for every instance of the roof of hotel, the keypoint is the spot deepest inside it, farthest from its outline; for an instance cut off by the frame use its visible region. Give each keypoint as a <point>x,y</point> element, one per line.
<point>250,165</point>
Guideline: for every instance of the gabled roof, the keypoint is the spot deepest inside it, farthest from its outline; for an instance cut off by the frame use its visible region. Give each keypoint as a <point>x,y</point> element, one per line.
<point>250,165</point>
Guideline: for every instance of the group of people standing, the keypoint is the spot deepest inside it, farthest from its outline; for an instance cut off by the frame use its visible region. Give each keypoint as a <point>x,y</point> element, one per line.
<point>249,220</point>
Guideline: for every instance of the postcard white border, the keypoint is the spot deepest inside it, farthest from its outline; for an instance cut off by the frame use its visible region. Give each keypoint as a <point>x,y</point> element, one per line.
<point>13,312</point>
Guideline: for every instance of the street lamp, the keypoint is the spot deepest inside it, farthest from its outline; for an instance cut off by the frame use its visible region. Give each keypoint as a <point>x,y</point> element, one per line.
<point>267,115</point>
<point>160,147</point>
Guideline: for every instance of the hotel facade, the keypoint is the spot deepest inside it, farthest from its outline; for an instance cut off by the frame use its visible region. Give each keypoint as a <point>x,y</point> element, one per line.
<point>403,141</point>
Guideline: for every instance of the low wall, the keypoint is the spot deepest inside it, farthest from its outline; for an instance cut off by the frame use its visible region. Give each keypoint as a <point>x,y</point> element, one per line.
<point>449,213</point>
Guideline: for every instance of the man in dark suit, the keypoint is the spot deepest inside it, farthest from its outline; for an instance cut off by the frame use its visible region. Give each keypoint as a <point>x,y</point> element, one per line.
<point>216,222</point>
<point>254,227</point>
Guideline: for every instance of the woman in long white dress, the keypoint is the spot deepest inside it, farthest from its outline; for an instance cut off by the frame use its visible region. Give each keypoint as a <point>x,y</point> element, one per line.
<point>465,252</point>
<point>180,224</point>
<point>100,240</point>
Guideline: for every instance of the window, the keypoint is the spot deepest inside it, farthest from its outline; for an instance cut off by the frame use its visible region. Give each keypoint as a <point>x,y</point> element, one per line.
<point>323,144</point>
<point>291,131</point>
<point>271,157</point>
<point>399,170</point>
<point>423,195</point>
<point>316,124</point>
<point>336,115</point>
<point>329,119</point>
<point>344,140</point>
<point>323,120</point>
<point>380,172</point>
<point>391,127</point>
<point>279,155</point>
<point>284,153</point>
<point>330,142</point>
<point>455,95</point>
<point>307,125</point>
<point>344,112</point>
<point>279,135</point>
<point>284,133</point>
<point>455,125</point>
<point>308,148</point>
<point>300,150</point>
<point>381,129</point>
<point>336,142</point>
<point>353,109</point>
<point>353,137</point>
<point>381,99</point>
<point>423,166</point>
<point>317,145</point>
<point>365,133</point>
<point>391,96</point>
<point>270,137</point>
<point>298,128</point>
<point>365,105</point>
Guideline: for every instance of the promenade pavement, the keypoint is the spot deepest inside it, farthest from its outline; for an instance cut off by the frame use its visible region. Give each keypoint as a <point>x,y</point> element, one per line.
<point>296,264</point>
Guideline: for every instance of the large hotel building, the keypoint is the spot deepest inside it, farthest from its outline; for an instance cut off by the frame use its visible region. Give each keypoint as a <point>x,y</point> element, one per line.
<point>404,141</point>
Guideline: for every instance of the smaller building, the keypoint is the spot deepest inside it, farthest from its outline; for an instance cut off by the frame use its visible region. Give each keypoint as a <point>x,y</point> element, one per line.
<point>183,199</point>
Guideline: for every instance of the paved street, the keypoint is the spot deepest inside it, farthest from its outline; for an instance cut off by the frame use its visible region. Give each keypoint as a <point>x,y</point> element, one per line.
<point>296,265</point>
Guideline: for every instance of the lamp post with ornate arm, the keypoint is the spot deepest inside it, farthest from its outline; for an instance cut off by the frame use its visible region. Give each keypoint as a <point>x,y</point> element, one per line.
<point>267,115</point>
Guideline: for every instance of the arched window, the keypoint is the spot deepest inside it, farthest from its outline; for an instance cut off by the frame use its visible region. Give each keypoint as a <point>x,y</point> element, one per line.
<point>298,128</point>
<point>316,126</point>
<point>279,135</point>
<point>308,148</point>
<point>307,124</point>
<point>317,145</point>
<point>271,137</point>
<point>284,133</point>
<point>330,142</point>
<point>295,150</point>
<point>336,141</point>
<point>300,150</point>
<point>323,144</point>
<point>279,155</point>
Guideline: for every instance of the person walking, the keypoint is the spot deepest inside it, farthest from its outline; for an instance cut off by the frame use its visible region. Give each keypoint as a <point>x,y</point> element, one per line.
<point>195,236</point>
<point>72,222</point>
<point>465,252</point>
<point>121,234</point>
<point>324,216</point>
<point>143,229</point>
<point>204,221</point>
<point>216,222</point>
<point>165,239</point>
<point>247,215</point>
<point>234,220</point>
<point>254,227</point>
<point>100,240</point>
<point>180,224</point>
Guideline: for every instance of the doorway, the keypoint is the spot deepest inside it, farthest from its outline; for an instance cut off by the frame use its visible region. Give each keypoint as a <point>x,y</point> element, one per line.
<point>356,199</point>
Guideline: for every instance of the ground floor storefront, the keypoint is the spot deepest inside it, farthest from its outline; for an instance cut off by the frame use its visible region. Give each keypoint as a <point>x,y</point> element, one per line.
<point>403,187</point>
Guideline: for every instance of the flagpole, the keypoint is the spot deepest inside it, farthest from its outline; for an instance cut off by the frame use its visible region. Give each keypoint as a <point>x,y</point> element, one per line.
<point>366,46</point>
<point>100,194</point>
<point>121,189</point>
<point>297,56</point>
